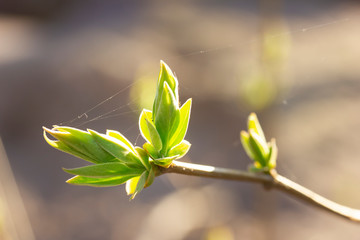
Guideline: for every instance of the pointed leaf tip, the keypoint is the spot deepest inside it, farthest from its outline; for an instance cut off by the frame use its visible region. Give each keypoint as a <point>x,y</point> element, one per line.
<point>253,123</point>
<point>137,184</point>
<point>165,75</point>
<point>120,137</point>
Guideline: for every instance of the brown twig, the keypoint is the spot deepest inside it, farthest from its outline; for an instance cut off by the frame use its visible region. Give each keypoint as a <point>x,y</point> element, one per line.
<point>273,180</point>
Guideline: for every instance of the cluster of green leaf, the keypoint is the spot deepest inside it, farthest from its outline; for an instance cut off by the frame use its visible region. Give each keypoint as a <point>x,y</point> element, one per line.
<point>165,127</point>
<point>115,160</point>
<point>263,153</point>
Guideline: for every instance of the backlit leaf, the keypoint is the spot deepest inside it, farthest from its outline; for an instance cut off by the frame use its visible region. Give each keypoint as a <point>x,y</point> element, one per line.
<point>259,148</point>
<point>253,123</point>
<point>273,154</point>
<point>66,148</point>
<point>166,75</point>
<point>82,142</point>
<point>140,184</point>
<point>181,129</point>
<point>131,185</point>
<point>98,182</point>
<point>120,137</point>
<point>180,150</point>
<point>244,137</point>
<point>144,157</point>
<point>144,130</point>
<point>151,150</point>
<point>116,148</point>
<point>167,116</point>
<point>154,136</point>
<point>105,170</point>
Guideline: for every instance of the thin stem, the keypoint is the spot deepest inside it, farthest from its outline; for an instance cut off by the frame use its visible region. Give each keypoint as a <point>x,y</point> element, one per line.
<point>272,180</point>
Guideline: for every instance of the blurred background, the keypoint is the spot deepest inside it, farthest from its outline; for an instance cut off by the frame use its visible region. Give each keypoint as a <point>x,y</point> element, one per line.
<point>295,63</point>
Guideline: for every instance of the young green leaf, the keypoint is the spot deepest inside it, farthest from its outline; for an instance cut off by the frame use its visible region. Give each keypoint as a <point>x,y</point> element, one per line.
<point>154,136</point>
<point>81,142</point>
<point>151,150</point>
<point>144,157</point>
<point>131,184</point>
<point>180,150</point>
<point>144,130</point>
<point>66,148</point>
<point>120,137</point>
<point>116,148</point>
<point>244,137</point>
<point>181,130</point>
<point>259,148</point>
<point>148,130</point>
<point>140,184</point>
<point>105,170</point>
<point>150,178</point>
<point>273,154</point>
<point>264,154</point>
<point>137,184</point>
<point>98,182</point>
<point>167,116</point>
<point>253,123</point>
<point>166,75</point>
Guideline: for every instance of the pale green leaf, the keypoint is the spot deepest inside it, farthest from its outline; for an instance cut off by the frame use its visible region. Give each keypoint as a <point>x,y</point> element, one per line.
<point>166,75</point>
<point>259,148</point>
<point>273,154</point>
<point>144,157</point>
<point>144,130</point>
<point>154,136</point>
<point>105,170</point>
<point>253,123</point>
<point>98,182</point>
<point>120,137</point>
<point>167,116</point>
<point>82,142</point>
<point>131,185</point>
<point>116,148</point>
<point>151,150</point>
<point>148,130</point>
<point>140,184</point>
<point>136,184</point>
<point>180,150</point>
<point>66,148</point>
<point>181,129</point>
<point>151,177</point>
<point>244,137</point>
